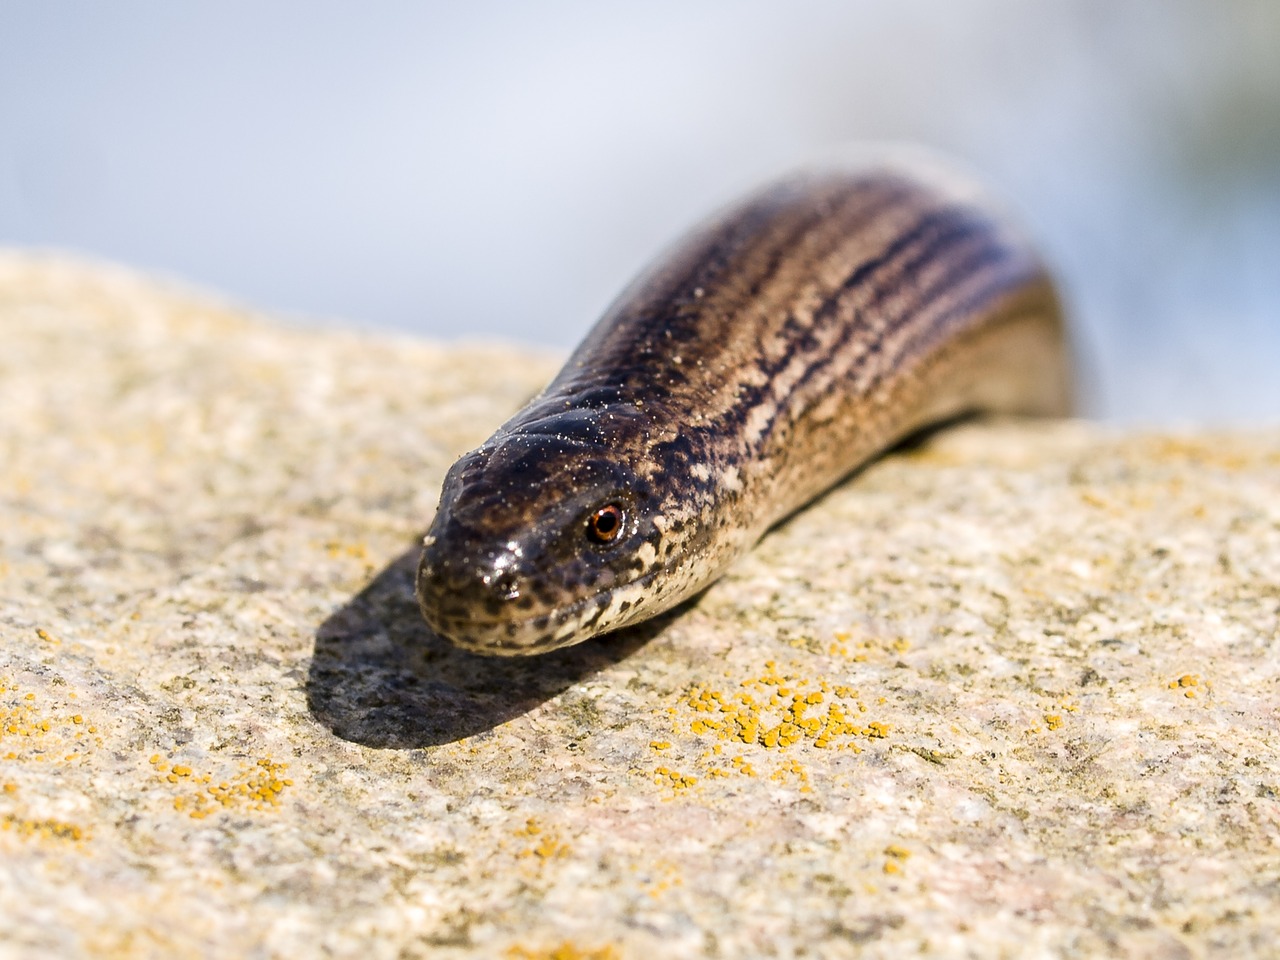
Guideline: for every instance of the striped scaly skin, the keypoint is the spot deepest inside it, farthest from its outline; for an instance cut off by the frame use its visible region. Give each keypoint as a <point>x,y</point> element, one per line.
<point>769,354</point>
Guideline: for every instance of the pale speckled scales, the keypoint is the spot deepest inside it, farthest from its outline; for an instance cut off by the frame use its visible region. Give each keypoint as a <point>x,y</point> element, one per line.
<point>776,349</point>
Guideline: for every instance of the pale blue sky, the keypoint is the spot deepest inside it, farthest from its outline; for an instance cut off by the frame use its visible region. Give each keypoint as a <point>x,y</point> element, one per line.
<point>501,169</point>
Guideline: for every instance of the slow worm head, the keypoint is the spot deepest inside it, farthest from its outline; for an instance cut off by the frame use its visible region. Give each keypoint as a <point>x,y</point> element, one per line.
<point>767,355</point>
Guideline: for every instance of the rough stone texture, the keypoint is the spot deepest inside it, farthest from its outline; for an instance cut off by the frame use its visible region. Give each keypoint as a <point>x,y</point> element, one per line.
<point>1038,663</point>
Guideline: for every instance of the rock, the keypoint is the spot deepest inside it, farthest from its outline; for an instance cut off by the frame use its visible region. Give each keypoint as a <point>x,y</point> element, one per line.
<point>1013,691</point>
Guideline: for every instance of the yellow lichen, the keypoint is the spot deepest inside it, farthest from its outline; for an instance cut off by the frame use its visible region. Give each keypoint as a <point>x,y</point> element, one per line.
<point>564,951</point>
<point>669,876</point>
<point>1189,683</point>
<point>744,719</point>
<point>673,778</point>
<point>336,548</point>
<point>549,844</point>
<point>770,711</point>
<point>896,858</point>
<point>39,731</point>
<point>44,828</point>
<point>793,768</point>
<point>258,785</point>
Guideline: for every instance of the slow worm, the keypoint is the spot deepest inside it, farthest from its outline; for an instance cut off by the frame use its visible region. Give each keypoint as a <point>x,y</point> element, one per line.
<point>770,353</point>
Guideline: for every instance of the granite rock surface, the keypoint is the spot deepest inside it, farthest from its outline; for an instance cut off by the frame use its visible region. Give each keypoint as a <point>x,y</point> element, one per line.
<point>1014,691</point>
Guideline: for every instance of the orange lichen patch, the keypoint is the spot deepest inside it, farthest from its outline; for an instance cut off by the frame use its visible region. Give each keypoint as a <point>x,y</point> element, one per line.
<point>1054,716</point>
<point>673,779</point>
<point>565,951</point>
<point>336,548</point>
<point>532,827</point>
<point>1189,683</point>
<point>258,785</point>
<point>662,886</point>
<point>898,645</point>
<point>665,875</point>
<point>896,858</point>
<point>793,768</point>
<point>549,845</point>
<point>359,552</point>
<point>41,829</point>
<point>769,712</point>
<point>1182,449</point>
<point>863,650</point>
<point>31,729</point>
<point>776,711</point>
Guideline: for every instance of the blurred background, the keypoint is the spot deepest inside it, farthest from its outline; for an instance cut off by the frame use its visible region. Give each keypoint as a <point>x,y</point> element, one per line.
<point>501,169</point>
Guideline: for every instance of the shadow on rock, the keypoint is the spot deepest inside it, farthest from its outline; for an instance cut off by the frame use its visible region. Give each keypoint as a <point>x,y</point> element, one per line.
<point>381,678</point>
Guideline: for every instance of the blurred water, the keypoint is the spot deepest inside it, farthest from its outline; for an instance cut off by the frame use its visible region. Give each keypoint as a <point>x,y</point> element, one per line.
<point>503,168</point>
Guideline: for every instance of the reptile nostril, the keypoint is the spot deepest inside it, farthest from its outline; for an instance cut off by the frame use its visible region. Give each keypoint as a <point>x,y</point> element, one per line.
<point>506,586</point>
<point>444,580</point>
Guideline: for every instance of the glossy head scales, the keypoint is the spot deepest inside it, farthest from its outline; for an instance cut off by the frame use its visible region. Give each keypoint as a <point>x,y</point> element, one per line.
<point>538,536</point>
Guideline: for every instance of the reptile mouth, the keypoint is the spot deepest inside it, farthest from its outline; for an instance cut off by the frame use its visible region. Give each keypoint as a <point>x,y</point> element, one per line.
<point>531,633</point>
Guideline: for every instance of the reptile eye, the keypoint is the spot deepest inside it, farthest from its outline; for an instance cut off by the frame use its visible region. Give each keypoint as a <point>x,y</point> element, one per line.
<point>605,524</point>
